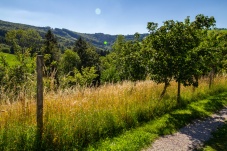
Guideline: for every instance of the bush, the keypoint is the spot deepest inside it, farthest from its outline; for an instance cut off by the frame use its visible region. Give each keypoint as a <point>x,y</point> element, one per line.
<point>5,50</point>
<point>84,78</point>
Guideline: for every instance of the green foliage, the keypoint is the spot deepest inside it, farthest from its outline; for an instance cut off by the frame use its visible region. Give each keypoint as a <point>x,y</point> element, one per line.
<point>111,65</point>
<point>24,40</point>
<point>132,65</point>
<point>118,44</point>
<point>69,61</point>
<point>4,48</point>
<point>89,59</point>
<point>51,53</point>
<point>218,141</point>
<point>24,43</point>
<point>215,47</point>
<point>213,50</point>
<point>17,77</point>
<point>84,78</point>
<point>3,69</point>
<point>17,71</point>
<point>87,54</point>
<point>125,62</point>
<point>109,72</point>
<point>172,50</point>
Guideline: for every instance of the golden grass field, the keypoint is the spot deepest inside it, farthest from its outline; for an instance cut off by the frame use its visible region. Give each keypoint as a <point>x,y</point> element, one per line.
<point>81,116</point>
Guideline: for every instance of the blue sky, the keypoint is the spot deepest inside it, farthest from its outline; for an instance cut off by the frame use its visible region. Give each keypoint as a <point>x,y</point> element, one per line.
<point>116,17</point>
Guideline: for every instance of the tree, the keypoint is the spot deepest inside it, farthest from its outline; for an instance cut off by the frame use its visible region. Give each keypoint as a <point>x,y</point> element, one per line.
<point>132,61</point>
<point>24,42</point>
<point>51,53</point>
<point>3,69</point>
<point>159,63</point>
<point>86,77</point>
<point>88,56</point>
<point>80,48</point>
<point>69,61</point>
<point>125,62</point>
<point>109,68</point>
<point>214,48</point>
<point>118,44</point>
<point>172,46</point>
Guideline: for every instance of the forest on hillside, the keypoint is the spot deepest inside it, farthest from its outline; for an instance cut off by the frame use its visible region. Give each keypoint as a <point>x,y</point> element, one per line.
<point>66,38</point>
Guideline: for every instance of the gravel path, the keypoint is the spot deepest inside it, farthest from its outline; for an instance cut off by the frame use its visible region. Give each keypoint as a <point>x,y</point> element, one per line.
<point>191,136</point>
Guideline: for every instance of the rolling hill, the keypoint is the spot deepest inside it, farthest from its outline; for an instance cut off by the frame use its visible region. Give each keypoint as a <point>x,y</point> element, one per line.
<point>66,38</point>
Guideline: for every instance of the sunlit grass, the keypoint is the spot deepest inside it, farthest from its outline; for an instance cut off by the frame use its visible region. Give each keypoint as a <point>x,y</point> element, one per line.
<point>11,59</point>
<point>143,136</point>
<point>78,117</point>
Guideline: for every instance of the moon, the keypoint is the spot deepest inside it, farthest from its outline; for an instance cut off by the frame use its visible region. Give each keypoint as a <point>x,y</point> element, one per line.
<point>97,11</point>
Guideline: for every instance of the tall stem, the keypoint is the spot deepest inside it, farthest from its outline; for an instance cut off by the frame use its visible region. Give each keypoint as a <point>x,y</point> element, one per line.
<point>211,77</point>
<point>164,89</point>
<point>178,92</point>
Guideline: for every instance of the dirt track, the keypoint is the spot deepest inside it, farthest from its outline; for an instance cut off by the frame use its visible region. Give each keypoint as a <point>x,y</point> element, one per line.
<point>191,136</point>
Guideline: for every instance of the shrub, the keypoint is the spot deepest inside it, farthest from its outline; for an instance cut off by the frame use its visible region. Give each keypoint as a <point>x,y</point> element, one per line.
<point>5,50</point>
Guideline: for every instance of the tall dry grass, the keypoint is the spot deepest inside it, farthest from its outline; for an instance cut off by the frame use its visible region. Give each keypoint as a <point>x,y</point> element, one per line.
<point>77,117</point>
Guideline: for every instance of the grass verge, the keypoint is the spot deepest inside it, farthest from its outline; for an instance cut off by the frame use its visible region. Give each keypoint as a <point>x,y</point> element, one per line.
<point>136,139</point>
<point>218,141</point>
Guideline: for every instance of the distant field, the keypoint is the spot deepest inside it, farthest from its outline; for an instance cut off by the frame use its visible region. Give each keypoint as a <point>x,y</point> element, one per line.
<point>11,59</point>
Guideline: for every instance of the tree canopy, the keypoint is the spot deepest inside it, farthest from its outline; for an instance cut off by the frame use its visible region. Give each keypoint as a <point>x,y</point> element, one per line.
<point>172,48</point>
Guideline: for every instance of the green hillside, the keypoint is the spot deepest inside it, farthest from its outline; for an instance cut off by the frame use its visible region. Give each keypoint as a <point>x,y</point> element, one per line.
<point>66,38</point>
<point>11,59</point>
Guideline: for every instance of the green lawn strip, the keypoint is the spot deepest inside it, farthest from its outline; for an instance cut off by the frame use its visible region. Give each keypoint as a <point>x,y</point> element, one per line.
<point>218,141</point>
<point>138,138</point>
<point>10,58</point>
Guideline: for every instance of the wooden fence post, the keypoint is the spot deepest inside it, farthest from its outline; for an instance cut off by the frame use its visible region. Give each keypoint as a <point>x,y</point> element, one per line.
<point>39,99</point>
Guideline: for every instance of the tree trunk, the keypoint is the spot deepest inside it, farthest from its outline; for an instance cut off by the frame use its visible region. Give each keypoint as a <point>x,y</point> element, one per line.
<point>193,89</point>
<point>164,90</point>
<point>211,77</point>
<point>178,92</point>
<point>196,84</point>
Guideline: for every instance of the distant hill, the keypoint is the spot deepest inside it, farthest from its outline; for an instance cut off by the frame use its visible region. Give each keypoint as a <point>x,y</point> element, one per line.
<point>66,38</point>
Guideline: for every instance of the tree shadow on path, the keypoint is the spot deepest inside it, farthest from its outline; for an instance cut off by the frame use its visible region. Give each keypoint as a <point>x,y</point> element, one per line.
<point>200,130</point>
